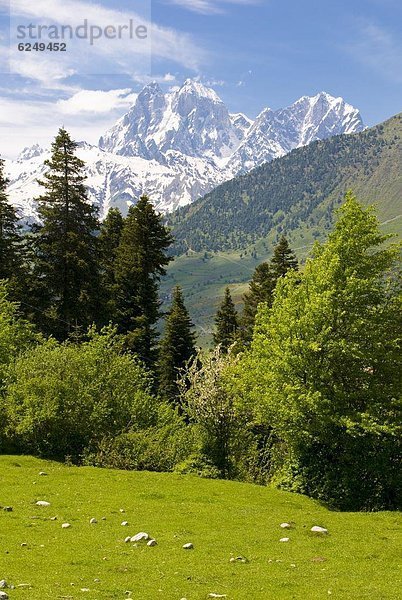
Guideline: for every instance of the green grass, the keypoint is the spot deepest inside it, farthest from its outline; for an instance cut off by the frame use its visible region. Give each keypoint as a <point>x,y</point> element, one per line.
<point>357,560</point>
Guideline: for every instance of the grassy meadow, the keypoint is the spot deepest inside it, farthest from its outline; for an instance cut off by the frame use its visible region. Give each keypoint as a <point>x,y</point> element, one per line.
<point>358,559</point>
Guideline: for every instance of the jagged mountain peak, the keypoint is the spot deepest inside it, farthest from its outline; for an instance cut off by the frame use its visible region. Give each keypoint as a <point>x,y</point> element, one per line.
<point>178,145</point>
<point>193,86</point>
<point>30,152</point>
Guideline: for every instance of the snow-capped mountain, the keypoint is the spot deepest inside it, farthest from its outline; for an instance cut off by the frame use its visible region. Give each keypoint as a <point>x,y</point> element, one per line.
<point>177,146</point>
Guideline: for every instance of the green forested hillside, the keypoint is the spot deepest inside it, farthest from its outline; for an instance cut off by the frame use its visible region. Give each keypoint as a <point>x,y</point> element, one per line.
<point>298,192</point>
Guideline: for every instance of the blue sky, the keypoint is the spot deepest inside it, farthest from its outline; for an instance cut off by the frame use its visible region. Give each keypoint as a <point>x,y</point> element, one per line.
<point>254,53</point>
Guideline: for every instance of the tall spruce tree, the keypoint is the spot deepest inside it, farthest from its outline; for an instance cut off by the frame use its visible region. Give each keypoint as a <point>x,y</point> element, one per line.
<point>177,346</point>
<point>66,281</point>
<point>263,284</point>
<point>226,323</point>
<point>140,262</point>
<point>109,240</point>
<point>10,239</point>
<point>283,259</point>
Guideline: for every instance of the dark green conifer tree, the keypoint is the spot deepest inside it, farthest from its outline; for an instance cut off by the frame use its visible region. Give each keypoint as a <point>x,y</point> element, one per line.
<point>177,346</point>
<point>263,284</point>
<point>10,239</point>
<point>65,270</point>
<point>109,240</point>
<point>140,262</point>
<point>261,287</point>
<point>226,323</point>
<point>283,259</point>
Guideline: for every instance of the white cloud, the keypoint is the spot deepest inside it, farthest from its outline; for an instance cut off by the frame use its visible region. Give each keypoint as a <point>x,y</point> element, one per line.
<point>87,114</point>
<point>378,48</point>
<point>209,7</point>
<point>106,56</point>
<point>96,101</point>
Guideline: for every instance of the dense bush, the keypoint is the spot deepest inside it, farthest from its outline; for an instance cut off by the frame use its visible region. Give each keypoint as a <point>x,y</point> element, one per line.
<point>161,447</point>
<point>63,397</point>
<point>16,335</point>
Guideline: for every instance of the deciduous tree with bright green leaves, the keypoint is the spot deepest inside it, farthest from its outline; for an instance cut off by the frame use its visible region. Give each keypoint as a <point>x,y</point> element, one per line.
<point>325,367</point>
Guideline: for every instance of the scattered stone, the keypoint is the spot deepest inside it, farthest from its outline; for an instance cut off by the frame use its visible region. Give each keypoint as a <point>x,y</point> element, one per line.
<point>284,539</point>
<point>24,545</point>
<point>292,565</point>
<point>140,537</point>
<point>3,584</point>
<point>93,521</point>
<point>8,508</point>
<point>103,518</point>
<point>122,510</point>
<point>65,525</point>
<point>318,529</point>
<point>42,503</point>
<point>3,596</point>
<point>96,580</point>
<point>286,526</point>
<point>212,595</point>
<point>152,543</point>
<point>125,523</point>
<point>190,546</point>
<point>241,559</point>
<point>85,590</point>
<point>42,473</point>
<point>127,539</point>
<point>53,518</point>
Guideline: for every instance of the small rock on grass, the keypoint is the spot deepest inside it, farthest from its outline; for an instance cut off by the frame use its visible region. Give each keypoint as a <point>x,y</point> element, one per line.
<point>151,543</point>
<point>42,503</point>
<point>140,537</point>
<point>318,529</point>
<point>8,508</point>
<point>3,584</point>
<point>3,596</point>
<point>213,595</point>
<point>124,523</point>
<point>241,559</point>
<point>65,525</point>
<point>93,521</point>
<point>42,473</point>
<point>285,539</point>
<point>286,526</point>
<point>188,546</point>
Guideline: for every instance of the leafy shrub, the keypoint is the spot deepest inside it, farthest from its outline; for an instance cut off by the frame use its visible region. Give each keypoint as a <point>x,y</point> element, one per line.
<point>63,397</point>
<point>157,448</point>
